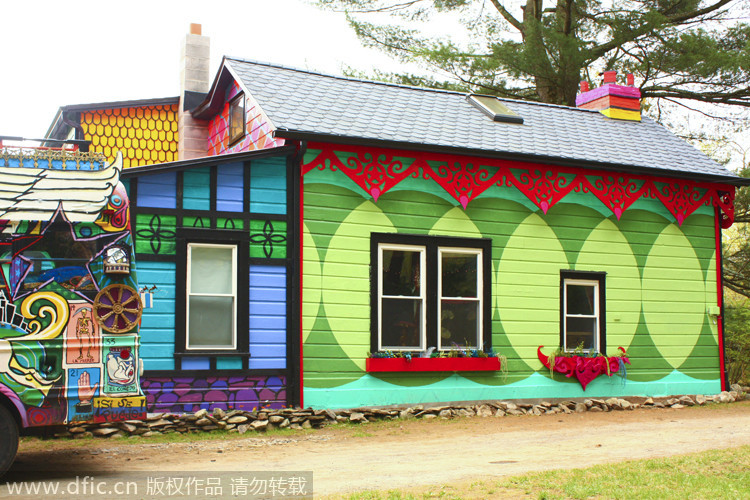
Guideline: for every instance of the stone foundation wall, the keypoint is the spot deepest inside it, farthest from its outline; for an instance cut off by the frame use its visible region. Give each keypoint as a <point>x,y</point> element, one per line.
<point>238,421</point>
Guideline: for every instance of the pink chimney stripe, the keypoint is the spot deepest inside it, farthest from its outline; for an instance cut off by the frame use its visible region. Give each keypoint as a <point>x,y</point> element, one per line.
<point>609,89</point>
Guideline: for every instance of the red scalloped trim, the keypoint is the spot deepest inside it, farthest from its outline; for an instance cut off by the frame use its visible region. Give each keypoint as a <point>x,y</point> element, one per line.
<point>376,171</point>
<point>462,179</point>
<point>585,369</point>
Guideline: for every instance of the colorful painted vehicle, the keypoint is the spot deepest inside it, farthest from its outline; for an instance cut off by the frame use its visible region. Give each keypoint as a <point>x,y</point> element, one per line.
<point>69,304</point>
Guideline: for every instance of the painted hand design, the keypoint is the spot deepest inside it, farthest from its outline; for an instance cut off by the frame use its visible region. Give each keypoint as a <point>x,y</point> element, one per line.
<point>85,391</point>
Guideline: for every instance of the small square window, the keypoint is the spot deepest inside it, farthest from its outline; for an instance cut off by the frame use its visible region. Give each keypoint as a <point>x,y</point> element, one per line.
<point>236,118</point>
<point>582,311</point>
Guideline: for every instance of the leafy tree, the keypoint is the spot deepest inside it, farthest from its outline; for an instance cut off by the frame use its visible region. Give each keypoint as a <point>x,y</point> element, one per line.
<point>737,341</point>
<point>736,243</point>
<point>541,49</point>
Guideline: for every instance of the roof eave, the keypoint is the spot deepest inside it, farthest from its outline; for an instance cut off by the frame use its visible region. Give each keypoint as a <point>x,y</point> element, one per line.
<point>133,103</point>
<point>58,129</point>
<point>57,122</point>
<point>159,168</point>
<point>211,105</point>
<point>501,155</point>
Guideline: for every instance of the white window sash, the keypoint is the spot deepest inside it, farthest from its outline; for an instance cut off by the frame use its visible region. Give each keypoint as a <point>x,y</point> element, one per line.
<point>479,291</point>
<point>597,333</point>
<point>382,247</point>
<point>189,294</point>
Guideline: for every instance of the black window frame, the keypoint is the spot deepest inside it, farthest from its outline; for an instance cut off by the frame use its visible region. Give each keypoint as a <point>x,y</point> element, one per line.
<point>224,237</point>
<point>237,101</point>
<point>432,244</point>
<point>591,276</point>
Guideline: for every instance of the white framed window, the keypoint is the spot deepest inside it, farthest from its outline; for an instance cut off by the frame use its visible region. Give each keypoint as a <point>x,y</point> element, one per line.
<point>401,297</point>
<point>582,316</point>
<point>211,302</point>
<point>429,292</point>
<point>460,283</point>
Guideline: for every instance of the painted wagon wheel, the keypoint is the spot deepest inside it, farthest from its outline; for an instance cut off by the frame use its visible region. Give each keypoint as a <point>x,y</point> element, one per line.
<point>118,308</point>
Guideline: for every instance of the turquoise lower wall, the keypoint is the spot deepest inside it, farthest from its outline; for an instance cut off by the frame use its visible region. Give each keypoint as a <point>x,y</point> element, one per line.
<point>370,391</point>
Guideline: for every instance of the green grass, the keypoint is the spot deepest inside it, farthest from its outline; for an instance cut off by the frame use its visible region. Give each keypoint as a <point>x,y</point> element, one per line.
<point>710,475</point>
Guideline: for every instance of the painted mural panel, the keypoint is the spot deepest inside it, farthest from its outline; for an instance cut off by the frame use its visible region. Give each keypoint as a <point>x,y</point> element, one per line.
<point>637,241</point>
<point>67,270</point>
<point>82,336</point>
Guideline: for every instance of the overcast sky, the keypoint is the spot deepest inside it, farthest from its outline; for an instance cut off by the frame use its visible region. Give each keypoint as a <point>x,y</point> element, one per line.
<point>60,53</point>
<point>57,53</point>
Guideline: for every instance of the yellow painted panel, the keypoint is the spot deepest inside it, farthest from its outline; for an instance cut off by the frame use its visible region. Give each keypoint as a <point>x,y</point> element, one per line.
<point>621,114</point>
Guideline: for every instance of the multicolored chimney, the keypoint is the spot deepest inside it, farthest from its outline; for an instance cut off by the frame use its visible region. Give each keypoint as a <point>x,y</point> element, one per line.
<point>614,101</point>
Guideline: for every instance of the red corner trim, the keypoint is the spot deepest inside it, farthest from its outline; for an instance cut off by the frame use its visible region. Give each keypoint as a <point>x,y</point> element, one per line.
<point>720,298</point>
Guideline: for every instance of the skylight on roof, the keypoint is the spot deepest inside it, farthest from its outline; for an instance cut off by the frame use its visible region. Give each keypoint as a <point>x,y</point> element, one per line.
<point>492,107</point>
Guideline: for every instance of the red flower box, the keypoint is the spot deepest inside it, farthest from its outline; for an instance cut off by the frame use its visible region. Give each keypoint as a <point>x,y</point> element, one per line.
<point>432,364</point>
<point>583,368</point>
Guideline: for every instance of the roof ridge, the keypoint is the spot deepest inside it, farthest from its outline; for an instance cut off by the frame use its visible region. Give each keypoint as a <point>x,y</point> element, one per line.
<point>399,85</point>
<point>347,78</point>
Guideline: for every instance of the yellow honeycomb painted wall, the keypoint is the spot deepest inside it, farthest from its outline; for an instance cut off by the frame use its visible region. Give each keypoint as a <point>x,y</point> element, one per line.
<point>144,135</point>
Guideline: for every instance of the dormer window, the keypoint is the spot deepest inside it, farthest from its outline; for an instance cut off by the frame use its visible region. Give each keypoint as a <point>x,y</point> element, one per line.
<point>236,118</point>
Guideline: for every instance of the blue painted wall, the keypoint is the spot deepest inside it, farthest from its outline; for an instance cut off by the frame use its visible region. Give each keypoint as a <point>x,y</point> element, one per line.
<point>201,363</point>
<point>268,186</point>
<point>229,192</point>
<point>196,189</point>
<point>157,325</point>
<point>158,191</point>
<point>267,317</point>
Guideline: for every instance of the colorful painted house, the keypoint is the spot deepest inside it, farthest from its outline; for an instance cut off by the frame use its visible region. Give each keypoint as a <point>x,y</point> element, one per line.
<point>344,243</point>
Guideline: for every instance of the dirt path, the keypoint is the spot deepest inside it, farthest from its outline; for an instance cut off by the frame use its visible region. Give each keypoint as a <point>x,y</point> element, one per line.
<point>415,453</point>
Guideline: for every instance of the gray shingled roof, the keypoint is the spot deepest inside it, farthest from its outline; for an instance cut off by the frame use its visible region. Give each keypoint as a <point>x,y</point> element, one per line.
<point>309,103</point>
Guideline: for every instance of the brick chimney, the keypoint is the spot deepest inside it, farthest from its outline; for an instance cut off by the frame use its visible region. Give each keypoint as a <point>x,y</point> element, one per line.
<point>622,102</point>
<point>194,84</point>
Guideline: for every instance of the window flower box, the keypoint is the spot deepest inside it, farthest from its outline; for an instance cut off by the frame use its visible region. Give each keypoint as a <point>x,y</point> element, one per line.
<point>379,365</point>
<point>584,368</point>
